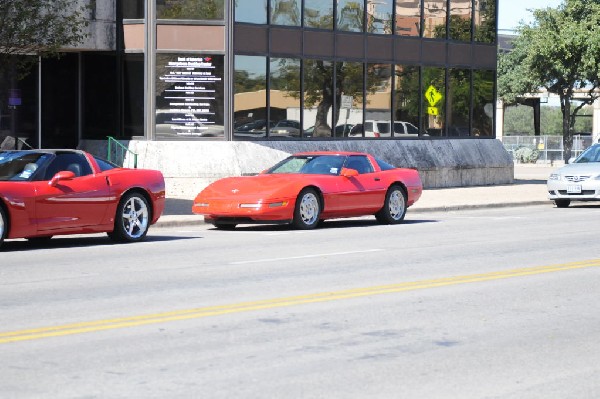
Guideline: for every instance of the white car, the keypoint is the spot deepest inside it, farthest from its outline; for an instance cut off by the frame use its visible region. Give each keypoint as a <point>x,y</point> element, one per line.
<point>373,128</point>
<point>577,181</point>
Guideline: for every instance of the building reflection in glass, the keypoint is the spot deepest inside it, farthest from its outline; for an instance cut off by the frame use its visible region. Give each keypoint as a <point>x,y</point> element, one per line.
<point>484,17</point>
<point>434,19</point>
<point>249,98</point>
<point>460,20</point>
<point>379,16</point>
<point>318,97</point>
<point>408,17</point>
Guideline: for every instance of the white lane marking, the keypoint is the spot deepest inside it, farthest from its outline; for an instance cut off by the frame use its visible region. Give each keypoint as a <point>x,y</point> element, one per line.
<point>243,262</point>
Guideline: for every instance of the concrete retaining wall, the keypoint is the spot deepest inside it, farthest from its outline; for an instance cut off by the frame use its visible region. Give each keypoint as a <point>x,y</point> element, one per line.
<point>188,166</point>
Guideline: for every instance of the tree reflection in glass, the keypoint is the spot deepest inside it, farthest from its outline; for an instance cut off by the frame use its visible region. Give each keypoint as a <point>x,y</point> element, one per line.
<point>483,103</point>
<point>285,12</point>
<point>350,15</point>
<point>190,9</point>
<point>485,21</point>
<point>318,14</point>
<point>460,20</point>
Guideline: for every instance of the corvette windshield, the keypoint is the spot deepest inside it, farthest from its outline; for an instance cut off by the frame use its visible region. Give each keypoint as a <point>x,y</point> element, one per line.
<point>20,166</point>
<point>310,164</point>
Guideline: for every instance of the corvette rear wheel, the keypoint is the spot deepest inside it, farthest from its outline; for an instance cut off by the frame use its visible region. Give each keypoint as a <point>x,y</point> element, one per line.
<point>3,225</point>
<point>307,210</point>
<point>132,219</point>
<point>394,207</point>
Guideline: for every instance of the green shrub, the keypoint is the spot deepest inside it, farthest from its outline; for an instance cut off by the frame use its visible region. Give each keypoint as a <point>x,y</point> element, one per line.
<point>526,155</point>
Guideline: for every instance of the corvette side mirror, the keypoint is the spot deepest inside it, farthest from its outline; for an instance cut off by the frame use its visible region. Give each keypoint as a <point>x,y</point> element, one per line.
<point>63,175</point>
<point>347,172</point>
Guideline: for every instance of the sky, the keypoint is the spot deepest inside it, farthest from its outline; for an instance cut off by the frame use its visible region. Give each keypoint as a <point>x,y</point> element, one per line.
<point>511,12</point>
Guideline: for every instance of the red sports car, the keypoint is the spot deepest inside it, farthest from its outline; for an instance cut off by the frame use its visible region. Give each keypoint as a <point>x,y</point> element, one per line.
<point>44,193</point>
<point>309,187</point>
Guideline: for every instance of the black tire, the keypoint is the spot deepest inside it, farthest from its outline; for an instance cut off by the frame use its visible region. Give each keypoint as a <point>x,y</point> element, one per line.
<point>307,210</point>
<point>132,219</point>
<point>562,203</point>
<point>394,207</point>
<point>224,226</point>
<point>3,225</point>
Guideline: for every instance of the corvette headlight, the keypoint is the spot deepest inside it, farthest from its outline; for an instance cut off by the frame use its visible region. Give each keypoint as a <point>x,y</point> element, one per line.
<point>554,176</point>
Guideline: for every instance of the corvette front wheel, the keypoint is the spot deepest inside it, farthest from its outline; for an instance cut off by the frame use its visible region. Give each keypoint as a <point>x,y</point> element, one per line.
<point>132,219</point>
<point>3,225</point>
<point>307,210</point>
<point>394,207</point>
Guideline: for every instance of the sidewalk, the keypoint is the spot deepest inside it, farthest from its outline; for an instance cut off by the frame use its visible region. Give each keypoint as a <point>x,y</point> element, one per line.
<point>529,188</point>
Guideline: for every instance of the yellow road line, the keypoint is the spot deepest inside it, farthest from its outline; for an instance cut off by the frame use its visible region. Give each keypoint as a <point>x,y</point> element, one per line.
<point>195,313</point>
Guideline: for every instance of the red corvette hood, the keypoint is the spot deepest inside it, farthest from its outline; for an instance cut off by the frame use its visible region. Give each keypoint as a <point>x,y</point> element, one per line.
<point>251,187</point>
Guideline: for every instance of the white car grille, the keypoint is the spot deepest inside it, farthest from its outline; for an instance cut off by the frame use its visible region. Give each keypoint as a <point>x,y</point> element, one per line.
<point>578,178</point>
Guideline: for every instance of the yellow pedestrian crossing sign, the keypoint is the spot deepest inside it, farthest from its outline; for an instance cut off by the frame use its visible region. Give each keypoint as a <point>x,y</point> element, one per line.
<point>433,96</point>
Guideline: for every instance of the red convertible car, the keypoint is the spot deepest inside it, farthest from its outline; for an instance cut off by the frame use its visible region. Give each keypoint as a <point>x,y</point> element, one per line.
<point>307,188</point>
<point>44,193</point>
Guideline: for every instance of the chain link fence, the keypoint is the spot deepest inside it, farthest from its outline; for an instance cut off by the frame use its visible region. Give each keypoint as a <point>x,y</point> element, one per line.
<point>549,148</point>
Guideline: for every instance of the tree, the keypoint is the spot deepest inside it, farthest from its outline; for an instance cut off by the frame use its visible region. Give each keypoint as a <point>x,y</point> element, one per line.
<point>38,27</point>
<point>559,52</point>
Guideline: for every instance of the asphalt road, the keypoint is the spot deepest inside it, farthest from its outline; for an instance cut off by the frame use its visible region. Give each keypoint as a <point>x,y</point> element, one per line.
<point>499,303</point>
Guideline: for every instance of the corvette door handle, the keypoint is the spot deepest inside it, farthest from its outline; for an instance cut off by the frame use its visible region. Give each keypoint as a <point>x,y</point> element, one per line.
<point>377,179</point>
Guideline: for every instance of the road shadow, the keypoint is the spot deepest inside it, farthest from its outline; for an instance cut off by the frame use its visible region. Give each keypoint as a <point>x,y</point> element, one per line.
<point>529,181</point>
<point>77,242</point>
<point>328,224</point>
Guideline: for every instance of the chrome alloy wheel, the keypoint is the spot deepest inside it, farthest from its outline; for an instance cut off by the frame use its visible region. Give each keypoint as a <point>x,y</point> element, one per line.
<point>135,217</point>
<point>309,208</point>
<point>397,204</point>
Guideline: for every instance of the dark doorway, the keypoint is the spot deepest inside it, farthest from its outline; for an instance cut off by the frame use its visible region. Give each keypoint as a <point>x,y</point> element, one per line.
<point>59,88</point>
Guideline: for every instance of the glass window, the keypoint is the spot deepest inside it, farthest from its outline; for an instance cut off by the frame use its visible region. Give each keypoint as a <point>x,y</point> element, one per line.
<point>407,101</point>
<point>99,93</point>
<point>459,102</point>
<point>350,15</point>
<point>133,9</point>
<point>318,14</point>
<point>19,105</point>
<point>433,109</point>
<point>434,19</point>
<point>286,12</point>
<point>190,9</point>
<point>378,107</point>
<point>249,98</point>
<point>408,18</point>
<point>485,21</point>
<point>350,101</point>
<point>483,103</point>
<point>133,95</point>
<point>318,98</point>
<point>360,163</point>
<point>251,11</point>
<point>460,20</point>
<point>284,97</point>
<point>189,96</point>
<point>379,16</point>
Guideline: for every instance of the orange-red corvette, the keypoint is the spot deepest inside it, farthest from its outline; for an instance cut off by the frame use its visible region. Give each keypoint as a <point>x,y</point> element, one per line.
<point>44,193</point>
<point>307,188</point>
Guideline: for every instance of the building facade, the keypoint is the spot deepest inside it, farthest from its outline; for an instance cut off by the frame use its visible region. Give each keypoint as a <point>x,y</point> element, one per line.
<point>411,76</point>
